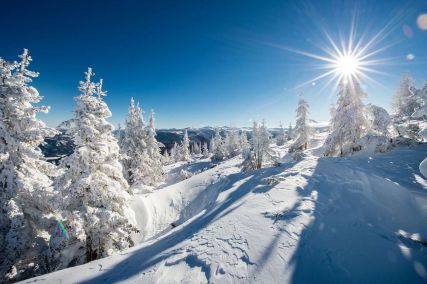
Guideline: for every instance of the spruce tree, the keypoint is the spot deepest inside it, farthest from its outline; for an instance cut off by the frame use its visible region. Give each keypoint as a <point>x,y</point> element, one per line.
<point>349,123</point>
<point>26,200</point>
<point>92,187</point>
<point>302,127</point>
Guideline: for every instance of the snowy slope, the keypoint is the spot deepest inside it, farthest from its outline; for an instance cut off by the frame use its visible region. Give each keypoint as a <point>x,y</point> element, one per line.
<point>321,220</point>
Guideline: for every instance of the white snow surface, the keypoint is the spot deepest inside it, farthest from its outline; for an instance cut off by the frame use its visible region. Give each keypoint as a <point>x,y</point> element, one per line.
<point>423,167</point>
<point>360,219</point>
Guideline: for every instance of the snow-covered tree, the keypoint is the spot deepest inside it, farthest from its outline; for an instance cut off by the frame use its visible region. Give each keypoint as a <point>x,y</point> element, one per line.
<point>303,130</point>
<point>290,132</point>
<point>92,188</point>
<point>166,157</point>
<point>420,96</point>
<point>135,158</point>
<point>245,145</point>
<point>349,123</point>
<point>281,136</point>
<point>154,161</point>
<point>205,150</point>
<point>404,100</point>
<point>196,148</point>
<point>26,206</point>
<point>185,147</point>
<point>260,148</point>
<point>378,120</point>
<point>232,143</point>
<point>220,151</point>
<point>175,153</point>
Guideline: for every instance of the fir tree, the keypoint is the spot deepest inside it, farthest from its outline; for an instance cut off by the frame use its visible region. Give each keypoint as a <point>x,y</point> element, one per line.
<point>154,160</point>
<point>281,136</point>
<point>404,100</point>
<point>290,132</point>
<point>349,123</point>
<point>25,184</point>
<point>135,158</point>
<point>302,127</point>
<point>93,188</point>
<point>185,147</point>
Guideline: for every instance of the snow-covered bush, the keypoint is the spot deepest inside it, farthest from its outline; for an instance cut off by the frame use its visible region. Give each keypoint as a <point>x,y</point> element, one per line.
<point>185,174</point>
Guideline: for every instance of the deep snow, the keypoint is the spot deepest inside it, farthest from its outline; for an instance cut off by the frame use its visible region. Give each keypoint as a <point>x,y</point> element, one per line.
<point>320,220</point>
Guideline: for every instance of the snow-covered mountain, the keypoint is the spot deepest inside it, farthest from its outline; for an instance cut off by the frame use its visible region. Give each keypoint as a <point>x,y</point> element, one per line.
<point>360,219</point>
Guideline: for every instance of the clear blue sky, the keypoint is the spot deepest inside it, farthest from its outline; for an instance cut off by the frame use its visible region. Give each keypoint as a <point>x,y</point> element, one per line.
<point>205,62</point>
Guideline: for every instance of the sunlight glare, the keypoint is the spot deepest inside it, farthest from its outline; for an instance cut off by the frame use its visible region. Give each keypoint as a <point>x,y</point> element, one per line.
<point>347,65</point>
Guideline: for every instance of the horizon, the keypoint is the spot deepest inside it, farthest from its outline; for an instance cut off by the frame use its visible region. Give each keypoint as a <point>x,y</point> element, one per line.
<point>198,64</point>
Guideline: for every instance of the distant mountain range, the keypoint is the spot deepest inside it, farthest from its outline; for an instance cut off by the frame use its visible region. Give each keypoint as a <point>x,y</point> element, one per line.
<point>62,144</point>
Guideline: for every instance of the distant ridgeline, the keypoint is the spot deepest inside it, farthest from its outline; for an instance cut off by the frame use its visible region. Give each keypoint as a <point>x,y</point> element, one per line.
<point>62,145</point>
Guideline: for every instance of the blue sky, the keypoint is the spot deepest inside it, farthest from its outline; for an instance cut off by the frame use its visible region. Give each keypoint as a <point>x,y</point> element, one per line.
<point>202,63</point>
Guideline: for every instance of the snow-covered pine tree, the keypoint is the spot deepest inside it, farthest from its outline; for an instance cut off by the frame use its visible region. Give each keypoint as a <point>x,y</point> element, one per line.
<point>154,160</point>
<point>232,143</point>
<point>196,148</point>
<point>421,99</point>
<point>281,136</point>
<point>135,158</point>
<point>303,130</point>
<point>245,146</point>
<point>205,150</point>
<point>349,123</point>
<point>212,145</point>
<point>185,147</point>
<point>175,155</point>
<point>219,151</point>
<point>93,188</point>
<point>290,132</point>
<point>166,157</point>
<point>25,184</point>
<point>404,100</point>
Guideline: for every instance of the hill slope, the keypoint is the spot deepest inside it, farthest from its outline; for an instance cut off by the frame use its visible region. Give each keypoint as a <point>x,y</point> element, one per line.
<point>321,220</point>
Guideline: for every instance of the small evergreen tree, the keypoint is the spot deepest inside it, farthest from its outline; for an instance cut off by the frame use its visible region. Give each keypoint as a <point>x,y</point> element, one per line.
<point>154,160</point>
<point>303,130</point>
<point>219,152</point>
<point>281,136</point>
<point>205,150</point>
<point>290,132</point>
<point>185,147</point>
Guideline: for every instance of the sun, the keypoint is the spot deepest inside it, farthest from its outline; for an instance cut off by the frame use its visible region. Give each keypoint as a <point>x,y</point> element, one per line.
<point>351,59</point>
<point>347,66</point>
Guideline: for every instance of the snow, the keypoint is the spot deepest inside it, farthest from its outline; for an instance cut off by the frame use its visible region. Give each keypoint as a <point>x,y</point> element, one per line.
<point>423,167</point>
<point>356,219</point>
